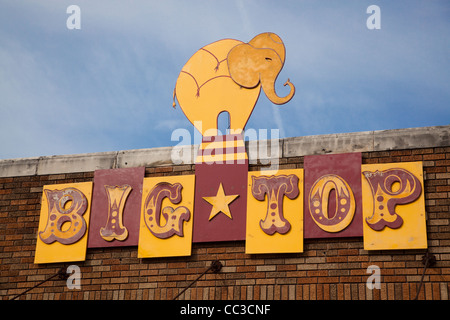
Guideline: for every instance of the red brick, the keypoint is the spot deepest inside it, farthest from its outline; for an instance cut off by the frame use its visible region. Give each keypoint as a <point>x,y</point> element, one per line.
<point>434,156</point>
<point>163,169</point>
<point>348,252</point>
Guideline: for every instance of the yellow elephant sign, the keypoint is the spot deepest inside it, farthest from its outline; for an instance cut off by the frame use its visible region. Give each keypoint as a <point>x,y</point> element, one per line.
<point>227,76</point>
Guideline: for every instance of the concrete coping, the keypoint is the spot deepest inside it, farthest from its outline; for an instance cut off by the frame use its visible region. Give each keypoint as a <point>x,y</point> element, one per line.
<point>367,141</point>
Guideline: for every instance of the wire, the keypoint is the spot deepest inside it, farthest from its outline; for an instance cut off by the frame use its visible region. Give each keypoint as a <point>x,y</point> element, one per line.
<point>215,267</point>
<point>61,273</point>
<point>428,260</point>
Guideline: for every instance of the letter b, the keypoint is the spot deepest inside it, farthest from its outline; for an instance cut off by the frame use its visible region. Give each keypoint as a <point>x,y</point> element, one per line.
<point>65,223</point>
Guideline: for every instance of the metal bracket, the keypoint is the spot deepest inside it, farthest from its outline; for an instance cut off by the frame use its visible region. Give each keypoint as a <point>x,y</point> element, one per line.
<point>428,260</point>
<point>215,267</point>
<point>62,275</point>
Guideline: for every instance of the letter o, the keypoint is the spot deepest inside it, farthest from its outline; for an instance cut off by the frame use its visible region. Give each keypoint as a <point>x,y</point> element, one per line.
<point>318,203</point>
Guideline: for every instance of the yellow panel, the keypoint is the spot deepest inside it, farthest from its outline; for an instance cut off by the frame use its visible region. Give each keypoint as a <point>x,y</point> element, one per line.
<point>267,231</point>
<point>166,226</point>
<point>402,227</point>
<point>64,223</point>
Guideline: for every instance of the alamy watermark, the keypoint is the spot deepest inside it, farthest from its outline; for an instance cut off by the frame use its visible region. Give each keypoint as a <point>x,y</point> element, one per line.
<point>263,146</point>
<point>74,280</point>
<point>373,22</point>
<point>74,20</point>
<point>374,280</point>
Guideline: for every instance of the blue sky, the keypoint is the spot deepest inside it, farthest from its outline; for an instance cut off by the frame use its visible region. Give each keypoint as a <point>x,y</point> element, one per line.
<point>109,85</point>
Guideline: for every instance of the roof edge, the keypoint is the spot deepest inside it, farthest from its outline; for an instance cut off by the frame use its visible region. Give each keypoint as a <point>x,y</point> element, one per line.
<point>366,141</point>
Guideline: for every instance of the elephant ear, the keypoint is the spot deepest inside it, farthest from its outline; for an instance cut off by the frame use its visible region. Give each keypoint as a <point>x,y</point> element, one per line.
<point>243,65</point>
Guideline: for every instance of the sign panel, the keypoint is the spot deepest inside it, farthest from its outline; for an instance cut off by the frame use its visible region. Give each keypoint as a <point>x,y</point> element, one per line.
<point>394,206</point>
<point>166,217</point>
<point>272,210</point>
<point>275,212</point>
<point>221,189</point>
<point>333,196</point>
<point>63,223</point>
<point>116,207</point>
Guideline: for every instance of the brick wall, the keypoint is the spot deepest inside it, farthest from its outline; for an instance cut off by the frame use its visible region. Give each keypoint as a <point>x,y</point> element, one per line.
<point>327,269</point>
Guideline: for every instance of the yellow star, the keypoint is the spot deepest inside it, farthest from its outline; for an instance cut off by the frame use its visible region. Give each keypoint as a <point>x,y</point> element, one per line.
<point>220,203</point>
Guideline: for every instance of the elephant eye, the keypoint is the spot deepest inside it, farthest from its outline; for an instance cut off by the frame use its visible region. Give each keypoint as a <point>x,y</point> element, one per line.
<point>268,59</point>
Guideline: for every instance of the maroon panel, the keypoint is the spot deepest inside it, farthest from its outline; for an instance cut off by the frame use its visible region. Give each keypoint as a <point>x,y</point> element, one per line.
<point>208,226</point>
<point>116,209</point>
<point>327,200</point>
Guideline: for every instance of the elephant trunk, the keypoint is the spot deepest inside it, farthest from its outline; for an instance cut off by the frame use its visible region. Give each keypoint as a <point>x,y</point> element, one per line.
<point>269,89</point>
